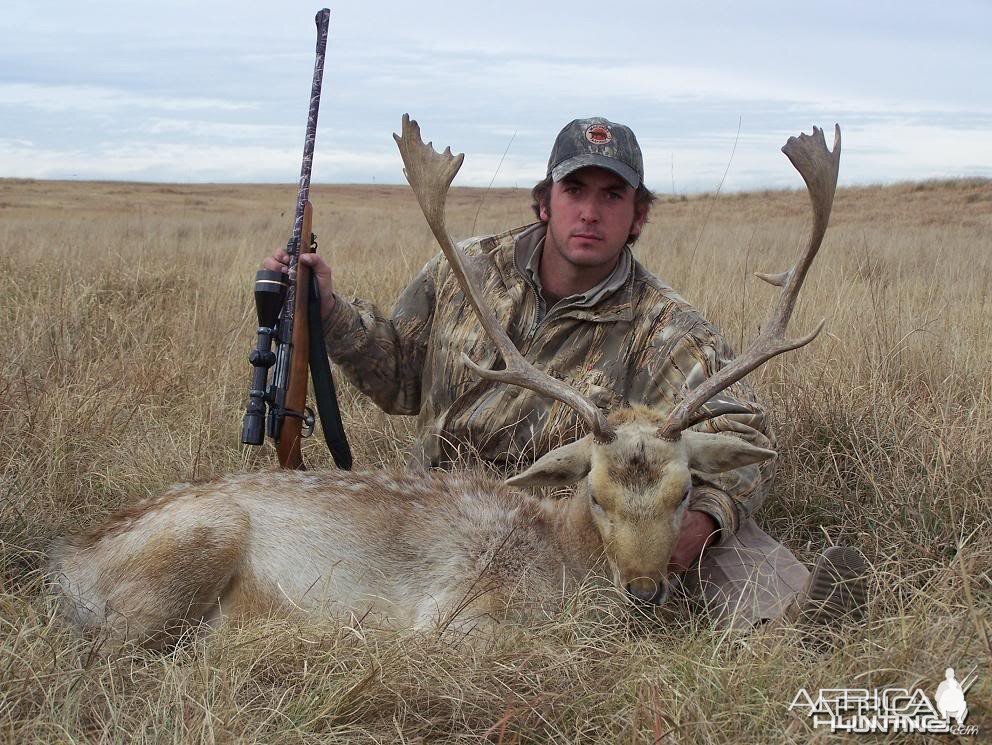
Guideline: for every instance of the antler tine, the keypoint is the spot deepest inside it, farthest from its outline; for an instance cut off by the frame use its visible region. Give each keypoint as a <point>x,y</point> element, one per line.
<point>819,168</point>
<point>430,174</point>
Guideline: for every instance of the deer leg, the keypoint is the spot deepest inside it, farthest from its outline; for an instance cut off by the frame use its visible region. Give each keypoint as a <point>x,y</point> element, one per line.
<point>150,580</point>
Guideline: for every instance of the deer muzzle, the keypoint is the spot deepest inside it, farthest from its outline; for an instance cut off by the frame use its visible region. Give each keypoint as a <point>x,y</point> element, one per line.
<point>647,590</point>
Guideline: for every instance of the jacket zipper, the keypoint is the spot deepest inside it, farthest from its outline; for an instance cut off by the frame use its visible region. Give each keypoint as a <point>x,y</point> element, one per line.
<point>539,319</point>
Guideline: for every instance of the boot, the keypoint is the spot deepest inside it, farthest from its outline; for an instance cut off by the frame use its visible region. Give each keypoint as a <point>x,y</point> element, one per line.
<point>836,590</point>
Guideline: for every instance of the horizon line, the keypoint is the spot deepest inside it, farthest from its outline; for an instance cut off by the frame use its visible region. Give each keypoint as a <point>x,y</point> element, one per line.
<point>976,180</point>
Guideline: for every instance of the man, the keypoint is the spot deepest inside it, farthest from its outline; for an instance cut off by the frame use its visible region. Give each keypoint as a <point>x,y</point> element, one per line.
<point>578,305</point>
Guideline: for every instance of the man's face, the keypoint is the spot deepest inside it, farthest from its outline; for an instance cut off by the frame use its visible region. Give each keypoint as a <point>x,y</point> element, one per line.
<point>591,215</point>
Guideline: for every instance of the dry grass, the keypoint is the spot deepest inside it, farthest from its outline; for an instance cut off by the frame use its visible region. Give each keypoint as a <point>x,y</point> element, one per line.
<point>127,317</point>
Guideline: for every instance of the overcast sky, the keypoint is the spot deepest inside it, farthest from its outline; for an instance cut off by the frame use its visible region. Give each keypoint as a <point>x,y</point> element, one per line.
<point>202,90</point>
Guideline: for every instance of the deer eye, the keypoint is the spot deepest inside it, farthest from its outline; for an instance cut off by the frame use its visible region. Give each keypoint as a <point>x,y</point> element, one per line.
<point>595,502</point>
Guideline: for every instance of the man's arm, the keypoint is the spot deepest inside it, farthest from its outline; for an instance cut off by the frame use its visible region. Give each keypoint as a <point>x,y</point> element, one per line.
<point>383,357</point>
<point>679,357</point>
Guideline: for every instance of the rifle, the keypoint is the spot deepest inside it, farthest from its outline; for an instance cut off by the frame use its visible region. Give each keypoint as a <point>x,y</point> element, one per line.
<point>288,307</point>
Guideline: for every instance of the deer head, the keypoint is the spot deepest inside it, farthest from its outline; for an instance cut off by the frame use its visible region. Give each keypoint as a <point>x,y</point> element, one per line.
<point>633,469</point>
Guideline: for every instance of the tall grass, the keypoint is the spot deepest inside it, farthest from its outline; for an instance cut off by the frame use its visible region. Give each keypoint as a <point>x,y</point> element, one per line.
<point>127,316</point>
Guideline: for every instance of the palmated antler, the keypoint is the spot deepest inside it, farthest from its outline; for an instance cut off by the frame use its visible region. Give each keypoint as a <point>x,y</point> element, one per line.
<point>818,167</point>
<point>430,174</point>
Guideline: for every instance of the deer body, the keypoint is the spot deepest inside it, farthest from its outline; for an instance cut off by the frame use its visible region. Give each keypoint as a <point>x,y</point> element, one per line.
<point>401,545</point>
<point>412,549</point>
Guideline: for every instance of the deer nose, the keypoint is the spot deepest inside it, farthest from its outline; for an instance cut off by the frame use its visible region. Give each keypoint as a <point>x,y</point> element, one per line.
<point>646,590</point>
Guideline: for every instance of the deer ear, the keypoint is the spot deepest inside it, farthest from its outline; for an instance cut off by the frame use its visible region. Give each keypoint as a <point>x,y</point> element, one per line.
<point>560,467</point>
<point>718,453</point>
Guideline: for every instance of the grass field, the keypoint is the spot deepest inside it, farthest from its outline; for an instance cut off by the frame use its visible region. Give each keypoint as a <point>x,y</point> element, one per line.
<point>127,317</point>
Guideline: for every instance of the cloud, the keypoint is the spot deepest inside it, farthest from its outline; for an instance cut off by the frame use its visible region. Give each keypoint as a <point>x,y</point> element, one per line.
<point>481,169</point>
<point>132,117</point>
<point>199,129</point>
<point>153,160</point>
<point>76,99</point>
<point>872,152</point>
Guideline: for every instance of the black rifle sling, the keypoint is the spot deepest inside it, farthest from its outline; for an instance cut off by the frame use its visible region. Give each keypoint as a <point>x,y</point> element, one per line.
<point>323,385</point>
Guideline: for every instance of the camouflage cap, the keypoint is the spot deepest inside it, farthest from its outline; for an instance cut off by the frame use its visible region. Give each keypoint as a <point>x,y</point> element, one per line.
<point>597,142</point>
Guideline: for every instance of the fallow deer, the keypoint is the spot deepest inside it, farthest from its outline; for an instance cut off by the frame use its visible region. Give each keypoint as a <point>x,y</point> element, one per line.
<point>416,549</point>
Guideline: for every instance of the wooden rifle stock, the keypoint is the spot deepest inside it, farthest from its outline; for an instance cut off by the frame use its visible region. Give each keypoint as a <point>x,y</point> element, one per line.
<point>288,447</point>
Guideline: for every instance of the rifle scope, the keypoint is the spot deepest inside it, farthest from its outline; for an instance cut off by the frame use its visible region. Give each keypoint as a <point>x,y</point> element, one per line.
<point>270,289</point>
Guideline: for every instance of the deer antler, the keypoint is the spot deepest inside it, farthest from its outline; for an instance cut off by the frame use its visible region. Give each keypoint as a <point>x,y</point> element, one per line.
<point>430,174</point>
<point>818,167</point>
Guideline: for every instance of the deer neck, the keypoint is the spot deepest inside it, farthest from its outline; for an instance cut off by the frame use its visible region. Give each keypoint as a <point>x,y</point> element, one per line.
<point>576,533</point>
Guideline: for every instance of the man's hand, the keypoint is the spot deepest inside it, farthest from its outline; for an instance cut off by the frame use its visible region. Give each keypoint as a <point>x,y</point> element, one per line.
<point>698,531</point>
<point>279,262</point>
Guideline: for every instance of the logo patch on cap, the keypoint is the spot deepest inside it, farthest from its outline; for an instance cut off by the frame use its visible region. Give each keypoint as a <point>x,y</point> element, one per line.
<point>599,134</point>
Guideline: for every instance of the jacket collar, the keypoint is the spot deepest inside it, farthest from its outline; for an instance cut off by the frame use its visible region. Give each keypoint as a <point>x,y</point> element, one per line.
<point>610,300</point>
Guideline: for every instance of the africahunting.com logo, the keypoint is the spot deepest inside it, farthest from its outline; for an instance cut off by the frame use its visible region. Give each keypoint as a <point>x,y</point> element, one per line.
<point>891,709</point>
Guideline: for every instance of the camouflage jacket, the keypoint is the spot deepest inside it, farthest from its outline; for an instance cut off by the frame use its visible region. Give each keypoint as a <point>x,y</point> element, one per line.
<point>632,339</point>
